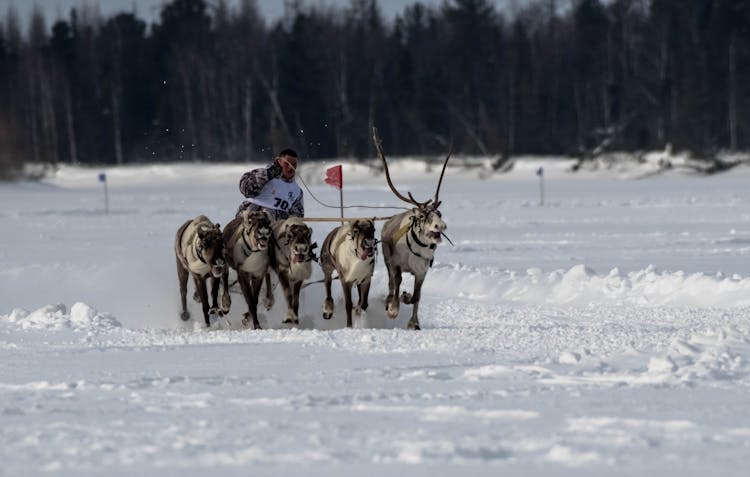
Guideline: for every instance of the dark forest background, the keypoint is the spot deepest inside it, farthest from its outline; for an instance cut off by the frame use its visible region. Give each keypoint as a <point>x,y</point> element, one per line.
<point>213,83</point>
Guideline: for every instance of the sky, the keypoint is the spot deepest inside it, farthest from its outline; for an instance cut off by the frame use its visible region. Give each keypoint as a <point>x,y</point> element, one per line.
<point>149,9</point>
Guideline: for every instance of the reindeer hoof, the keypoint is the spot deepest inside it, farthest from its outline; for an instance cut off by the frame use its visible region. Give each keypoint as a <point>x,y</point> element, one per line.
<point>392,311</point>
<point>291,318</point>
<point>268,303</point>
<point>294,321</point>
<point>185,315</point>
<point>214,311</point>
<point>196,297</point>
<point>246,324</point>
<point>406,298</point>
<point>226,304</point>
<point>247,319</point>
<point>414,325</point>
<point>327,309</point>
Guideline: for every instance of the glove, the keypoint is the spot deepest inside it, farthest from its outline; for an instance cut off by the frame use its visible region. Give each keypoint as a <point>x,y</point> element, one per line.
<point>274,170</point>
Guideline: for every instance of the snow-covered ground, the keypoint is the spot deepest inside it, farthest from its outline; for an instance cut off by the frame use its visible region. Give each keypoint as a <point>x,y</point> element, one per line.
<point>606,332</point>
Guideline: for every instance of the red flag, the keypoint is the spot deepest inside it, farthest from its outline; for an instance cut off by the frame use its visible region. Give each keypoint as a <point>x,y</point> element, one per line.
<point>334,177</point>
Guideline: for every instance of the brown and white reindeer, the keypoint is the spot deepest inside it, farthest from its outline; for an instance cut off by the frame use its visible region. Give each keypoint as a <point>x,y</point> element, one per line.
<point>246,239</point>
<point>292,259</point>
<point>199,249</point>
<point>408,241</point>
<point>350,250</point>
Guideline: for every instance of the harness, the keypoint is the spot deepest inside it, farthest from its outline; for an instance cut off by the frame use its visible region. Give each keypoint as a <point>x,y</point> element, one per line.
<point>409,227</point>
<point>246,246</point>
<point>355,251</point>
<point>310,255</point>
<point>198,251</point>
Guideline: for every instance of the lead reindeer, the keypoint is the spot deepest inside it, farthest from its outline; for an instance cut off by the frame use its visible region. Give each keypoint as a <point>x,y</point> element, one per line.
<point>409,241</point>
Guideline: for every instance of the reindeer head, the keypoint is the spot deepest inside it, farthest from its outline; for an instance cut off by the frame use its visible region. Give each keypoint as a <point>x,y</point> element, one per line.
<point>428,224</point>
<point>210,248</point>
<point>426,218</point>
<point>257,227</point>
<point>297,237</point>
<point>362,233</point>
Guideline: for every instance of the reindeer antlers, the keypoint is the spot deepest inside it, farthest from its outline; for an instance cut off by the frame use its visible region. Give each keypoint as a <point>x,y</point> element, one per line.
<point>379,149</point>
<point>410,199</point>
<point>437,191</point>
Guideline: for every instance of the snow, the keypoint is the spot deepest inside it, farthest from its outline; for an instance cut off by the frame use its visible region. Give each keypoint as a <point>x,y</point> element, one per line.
<point>603,333</point>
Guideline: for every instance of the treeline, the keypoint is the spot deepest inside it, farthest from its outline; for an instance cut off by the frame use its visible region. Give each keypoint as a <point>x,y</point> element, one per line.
<point>214,81</point>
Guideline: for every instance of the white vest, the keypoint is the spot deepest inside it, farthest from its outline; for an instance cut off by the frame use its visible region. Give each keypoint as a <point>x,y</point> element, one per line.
<point>277,194</point>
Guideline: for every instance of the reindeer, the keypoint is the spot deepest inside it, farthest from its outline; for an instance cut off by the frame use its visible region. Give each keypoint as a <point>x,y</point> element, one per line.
<point>291,260</point>
<point>199,249</point>
<point>408,241</point>
<point>246,239</point>
<point>350,250</point>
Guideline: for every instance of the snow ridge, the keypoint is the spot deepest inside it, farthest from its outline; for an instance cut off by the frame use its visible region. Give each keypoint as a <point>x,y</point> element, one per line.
<point>82,317</point>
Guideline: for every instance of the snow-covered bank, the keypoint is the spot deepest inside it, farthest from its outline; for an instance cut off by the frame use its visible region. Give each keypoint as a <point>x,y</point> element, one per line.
<point>367,171</point>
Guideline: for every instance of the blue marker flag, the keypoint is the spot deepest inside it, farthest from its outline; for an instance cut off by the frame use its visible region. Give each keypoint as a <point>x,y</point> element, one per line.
<point>102,177</point>
<point>540,172</point>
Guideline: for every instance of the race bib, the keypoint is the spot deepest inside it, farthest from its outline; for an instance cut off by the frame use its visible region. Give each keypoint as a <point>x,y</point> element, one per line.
<point>277,194</point>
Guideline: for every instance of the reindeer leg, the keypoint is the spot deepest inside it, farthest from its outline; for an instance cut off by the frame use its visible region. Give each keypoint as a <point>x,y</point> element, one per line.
<point>364,292</point>
<point>296,288</point>
<point>247,292</point>
<point>328,303</point>
<point>394,283</point>
<point>290,315</point>
<point>255,286</point>
<point>347,286</point>
<point>269,300</point>
<point>214,310</point>
<point>200,286</point>
<point>182,278</point>
<point>226,300</point>
<point>413,299</point>
<point>394,274</point>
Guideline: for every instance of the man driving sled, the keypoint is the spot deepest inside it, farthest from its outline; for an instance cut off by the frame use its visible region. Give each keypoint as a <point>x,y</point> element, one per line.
<point>273,188</point>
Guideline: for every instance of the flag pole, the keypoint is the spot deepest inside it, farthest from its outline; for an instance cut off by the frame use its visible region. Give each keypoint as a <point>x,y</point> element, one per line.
<point>341,193</point>
<point>540,174</point>
<point>103,179</point>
